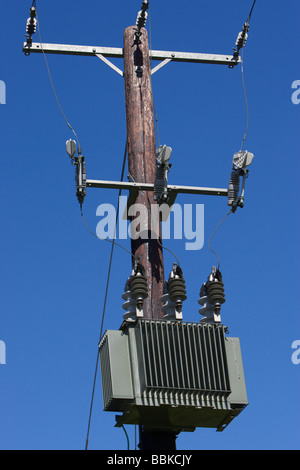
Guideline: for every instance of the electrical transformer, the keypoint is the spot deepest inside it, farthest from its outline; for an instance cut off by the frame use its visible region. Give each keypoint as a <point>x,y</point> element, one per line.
<point>172,375</point>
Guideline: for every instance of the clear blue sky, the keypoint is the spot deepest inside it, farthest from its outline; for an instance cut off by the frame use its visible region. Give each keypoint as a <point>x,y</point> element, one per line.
<point>54,272</point>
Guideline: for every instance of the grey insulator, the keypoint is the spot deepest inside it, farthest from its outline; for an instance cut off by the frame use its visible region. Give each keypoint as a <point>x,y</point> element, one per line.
<point>31,26</point>
<point>234,188</point>
<point>31,22</point>
<point>80,179</point>
<point>242,37</point>
<point>241,40</point>
<point>215,293</point>
<point>135,292</point>
<point>141,19</point>
<point>139,286</point>
<point>159,183</point>
<point>174,294</point>
<point>177,289</point>
<point>212,296</point>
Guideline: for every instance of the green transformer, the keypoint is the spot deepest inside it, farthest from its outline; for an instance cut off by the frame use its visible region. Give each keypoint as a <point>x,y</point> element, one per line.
<point>172,375</point>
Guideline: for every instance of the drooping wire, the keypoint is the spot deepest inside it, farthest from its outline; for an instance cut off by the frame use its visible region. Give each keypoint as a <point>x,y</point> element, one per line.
<point>218,226</point>
<point>246,100</point>
<point>105,301</point>
<point>245,29</point>
<point>165,248</point>
<point>51,81</point>
<point>113,241</point>
<point>241,41</point>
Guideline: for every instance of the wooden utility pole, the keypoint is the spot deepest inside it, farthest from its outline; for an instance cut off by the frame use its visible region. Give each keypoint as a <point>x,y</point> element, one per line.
<point>141,159</point>
<point>141,166</point>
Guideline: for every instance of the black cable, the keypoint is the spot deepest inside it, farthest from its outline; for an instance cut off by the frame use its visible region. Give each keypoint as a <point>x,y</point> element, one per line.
<point>105,301</point>
<point>128,443</point>
<point>113,241</point>
<point>249,18</point>
<point>51,80</point>
<point>246,100</point>
<point>218,226</point>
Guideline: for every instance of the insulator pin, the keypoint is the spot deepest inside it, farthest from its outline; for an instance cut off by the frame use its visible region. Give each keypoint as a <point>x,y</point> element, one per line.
<point>31,26</point>
<point>242,38</point>
<point>31,22</point>
<point>139,287</point>
<point>136,291</point>
<point>212,296</point>
<point>216,293</point>
<point>177,289</point>
<point>174,295</point>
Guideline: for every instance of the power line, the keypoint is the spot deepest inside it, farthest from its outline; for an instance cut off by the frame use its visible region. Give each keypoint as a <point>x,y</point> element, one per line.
<point>51,81</point>
<point>249,17</point>
<point>218,226</point>
<point>246,99</point>
<point>105,300</point>
<point>240,44</point>
<point>113,241</point>
<point>245,30</point>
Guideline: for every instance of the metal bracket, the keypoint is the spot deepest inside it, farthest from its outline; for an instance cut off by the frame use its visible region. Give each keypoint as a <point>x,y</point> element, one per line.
<point>159,66</point>
<point>110,64</point>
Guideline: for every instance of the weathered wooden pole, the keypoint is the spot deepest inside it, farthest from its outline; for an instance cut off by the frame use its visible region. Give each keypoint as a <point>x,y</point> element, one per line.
<point>141,159</point>
<point>141,166</point>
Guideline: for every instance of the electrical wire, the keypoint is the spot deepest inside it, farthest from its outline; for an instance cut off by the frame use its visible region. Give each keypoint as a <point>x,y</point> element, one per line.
<point>218,226</point>
<point>51,81</point>
<point>105,299</point>
<point>251,11</point>
<point>121,246</point>
<point>246,99</point>
<point>113,241</point>
<point>128,443</point>
<point>165,248</point>
<point>243,77</point>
